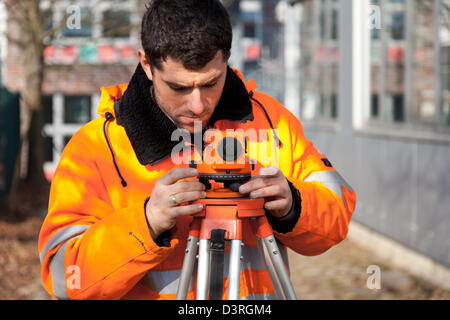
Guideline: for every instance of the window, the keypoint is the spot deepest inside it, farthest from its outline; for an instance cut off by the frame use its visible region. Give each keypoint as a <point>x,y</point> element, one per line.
<point>80,19</point>
<point>47,19</point>
<point>48,149</point>
<point>77,109</point>
<point>423,69</point>
<point>47,102</point>
<point>66,140</point>
<point>64,115</point>
<point>444,52</point>
<point>398,25</point>
<point>397,107</point>
<point>387,63</point>
<point>445,83</point>
<point>249,29</point>
<point>319,66</point>
<point>374,105</point>
<point>116,24</point>
<point>409,65</point>
<point>79,26</point>
<point>393,59</point>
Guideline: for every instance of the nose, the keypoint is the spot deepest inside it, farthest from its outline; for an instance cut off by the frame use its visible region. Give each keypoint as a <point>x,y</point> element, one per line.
<point>196,103</point>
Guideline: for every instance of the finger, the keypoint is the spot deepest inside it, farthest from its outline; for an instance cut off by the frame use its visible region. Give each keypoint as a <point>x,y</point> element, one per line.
<point>269,171</point>
<point>270,191</point>
<point>177,174</point>
<point>186,210</point>
<point>189,196</point>
<point>255,183</point>
<point>183,186</point>
<point>280,204</point>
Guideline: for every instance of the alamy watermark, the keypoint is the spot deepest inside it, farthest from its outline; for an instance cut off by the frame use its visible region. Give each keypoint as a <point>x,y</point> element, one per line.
<point>73,21</point>
<point>374,17</point>
<point>374,280</point>
<point>262,145</point>
<point>73,281</point>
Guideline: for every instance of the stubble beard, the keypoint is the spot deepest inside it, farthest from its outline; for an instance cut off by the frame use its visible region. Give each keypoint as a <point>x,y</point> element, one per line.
<point>197,126</point>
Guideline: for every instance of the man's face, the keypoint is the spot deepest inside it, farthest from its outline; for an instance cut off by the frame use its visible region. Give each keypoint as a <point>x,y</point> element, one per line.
<point>187,96</point>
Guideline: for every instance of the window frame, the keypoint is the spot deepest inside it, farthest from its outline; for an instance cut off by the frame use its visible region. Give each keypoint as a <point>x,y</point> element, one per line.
<point>325,41</point>
<point>69,99</point>
<point>117,9</point>
<point>409,129</point>
<point>57,130</point>
<point>97,10</point>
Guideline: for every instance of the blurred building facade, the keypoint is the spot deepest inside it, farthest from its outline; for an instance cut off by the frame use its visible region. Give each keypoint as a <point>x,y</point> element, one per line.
<point>369,79</point>
<point>375,98</point>
<point>94,47</point>
<point>370,82</point>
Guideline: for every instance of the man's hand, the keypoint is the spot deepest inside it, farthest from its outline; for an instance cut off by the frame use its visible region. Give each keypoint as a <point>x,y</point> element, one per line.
<point>271,184</point>
<point>163,207</point>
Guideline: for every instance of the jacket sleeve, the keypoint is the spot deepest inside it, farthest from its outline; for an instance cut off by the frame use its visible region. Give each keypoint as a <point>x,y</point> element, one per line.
<point>87,249</point>
<point>327,200</point>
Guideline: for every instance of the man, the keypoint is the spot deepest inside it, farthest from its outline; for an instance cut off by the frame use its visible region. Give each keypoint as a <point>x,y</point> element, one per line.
<point>116,227</point>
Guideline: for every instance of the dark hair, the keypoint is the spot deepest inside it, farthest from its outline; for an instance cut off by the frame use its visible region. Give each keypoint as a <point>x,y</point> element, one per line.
<point>189,31</point>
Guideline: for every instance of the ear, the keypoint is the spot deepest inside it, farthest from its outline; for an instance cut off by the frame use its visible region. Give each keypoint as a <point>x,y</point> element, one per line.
<point>145,64</point>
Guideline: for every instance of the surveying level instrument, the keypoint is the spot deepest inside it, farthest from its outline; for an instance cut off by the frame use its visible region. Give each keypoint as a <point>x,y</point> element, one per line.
<point>226,216</point>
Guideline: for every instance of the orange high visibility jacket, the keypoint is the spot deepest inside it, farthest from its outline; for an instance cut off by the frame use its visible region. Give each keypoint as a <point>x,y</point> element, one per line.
<point>95,242</point>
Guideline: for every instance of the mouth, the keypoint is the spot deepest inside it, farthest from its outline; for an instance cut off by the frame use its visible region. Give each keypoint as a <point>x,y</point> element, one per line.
<point>191,120</point>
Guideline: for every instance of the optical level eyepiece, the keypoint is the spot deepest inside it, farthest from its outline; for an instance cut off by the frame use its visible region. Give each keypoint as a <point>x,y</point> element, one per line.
<point>229,149</point>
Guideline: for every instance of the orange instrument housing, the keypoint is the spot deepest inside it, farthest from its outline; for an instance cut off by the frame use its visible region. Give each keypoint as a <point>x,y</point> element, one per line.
<point>225,160</point>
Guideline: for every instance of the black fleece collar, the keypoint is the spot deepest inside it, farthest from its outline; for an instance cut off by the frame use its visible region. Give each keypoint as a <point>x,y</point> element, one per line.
<point>149,129</point>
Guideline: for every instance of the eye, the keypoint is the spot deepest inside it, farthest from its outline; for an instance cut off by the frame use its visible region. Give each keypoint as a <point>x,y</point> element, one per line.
<point>178,89</point>
<point>211,85</point>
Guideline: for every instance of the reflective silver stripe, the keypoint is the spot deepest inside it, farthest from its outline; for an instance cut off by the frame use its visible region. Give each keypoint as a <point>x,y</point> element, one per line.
<point>58,272</point>
<point>266,296</point>
<point>166,282</point>
<point>330,179</point>
<point>61,236</point>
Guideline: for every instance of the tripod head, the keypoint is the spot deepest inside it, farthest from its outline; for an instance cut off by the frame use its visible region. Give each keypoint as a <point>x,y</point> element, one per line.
<point>227,216</point>
<point>224,160</point>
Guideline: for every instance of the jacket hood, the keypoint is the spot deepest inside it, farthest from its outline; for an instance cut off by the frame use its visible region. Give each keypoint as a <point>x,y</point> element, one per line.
<point>149,129</point>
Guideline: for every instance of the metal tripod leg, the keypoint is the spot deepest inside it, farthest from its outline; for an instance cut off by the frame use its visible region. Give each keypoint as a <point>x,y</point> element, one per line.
<point>278,264</point>
<point>269,251</point>
<point>223,213</point>
<point>271,269</point>
<point>203,270</point>
<point>188,267</point>
<point>234,273</point>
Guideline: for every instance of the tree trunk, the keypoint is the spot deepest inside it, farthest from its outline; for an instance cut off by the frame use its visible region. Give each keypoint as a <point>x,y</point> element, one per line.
<point>9,205</point>
<point>28,20</point>
<point>32,97</point>
<point>35,170</point>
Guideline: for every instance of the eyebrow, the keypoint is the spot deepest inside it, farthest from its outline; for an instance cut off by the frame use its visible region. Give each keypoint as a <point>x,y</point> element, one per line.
<point>181,86</point>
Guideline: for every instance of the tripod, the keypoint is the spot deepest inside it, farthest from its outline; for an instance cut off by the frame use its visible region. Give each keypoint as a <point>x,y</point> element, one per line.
<point>226,215</point>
